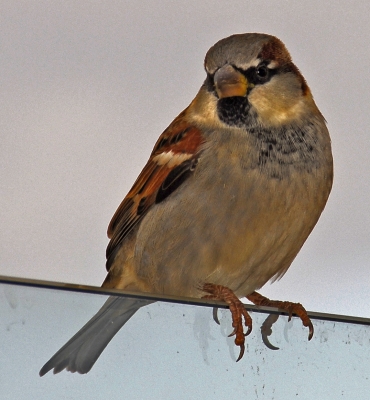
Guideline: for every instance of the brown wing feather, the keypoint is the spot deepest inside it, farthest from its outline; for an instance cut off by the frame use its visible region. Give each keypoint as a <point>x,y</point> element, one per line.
<point>179,142</point>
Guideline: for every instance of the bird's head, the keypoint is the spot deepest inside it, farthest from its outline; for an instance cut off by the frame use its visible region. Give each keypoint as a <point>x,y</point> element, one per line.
<point>251,80</point>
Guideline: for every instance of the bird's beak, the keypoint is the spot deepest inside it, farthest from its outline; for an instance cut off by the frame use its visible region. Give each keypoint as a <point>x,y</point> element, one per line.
<point>230,82</point>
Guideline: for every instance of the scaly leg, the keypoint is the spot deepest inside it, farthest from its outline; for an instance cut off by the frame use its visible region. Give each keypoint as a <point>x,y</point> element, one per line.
<point>237,309</point>
<point>290,308</point>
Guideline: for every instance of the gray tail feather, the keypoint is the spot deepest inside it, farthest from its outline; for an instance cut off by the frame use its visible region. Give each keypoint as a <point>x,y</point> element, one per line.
<point>84,348</point>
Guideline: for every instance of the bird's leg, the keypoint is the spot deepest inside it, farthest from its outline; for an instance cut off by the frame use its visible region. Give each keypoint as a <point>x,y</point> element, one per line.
<point>237,309</point>
<point>290,308</point>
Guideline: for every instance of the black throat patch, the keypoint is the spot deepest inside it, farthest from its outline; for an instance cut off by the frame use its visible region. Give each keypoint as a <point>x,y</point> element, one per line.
<point>280,149</point>
<point>235,111</point>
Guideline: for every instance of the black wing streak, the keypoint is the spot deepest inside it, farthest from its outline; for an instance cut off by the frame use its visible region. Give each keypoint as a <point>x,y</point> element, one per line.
<point>175,178</point>
<point>124,225</point>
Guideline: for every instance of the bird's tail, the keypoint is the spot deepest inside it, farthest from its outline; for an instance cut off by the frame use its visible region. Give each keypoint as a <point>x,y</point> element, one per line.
<point>84,348</point>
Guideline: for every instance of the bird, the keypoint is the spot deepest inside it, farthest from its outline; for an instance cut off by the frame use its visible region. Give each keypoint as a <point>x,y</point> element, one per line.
<point>230,193</point>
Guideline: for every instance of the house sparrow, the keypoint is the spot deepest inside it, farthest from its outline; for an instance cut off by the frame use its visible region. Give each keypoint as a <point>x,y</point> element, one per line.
<point>230,193</point>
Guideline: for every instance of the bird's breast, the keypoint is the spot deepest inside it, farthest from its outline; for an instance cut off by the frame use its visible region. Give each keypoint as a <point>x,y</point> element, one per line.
<point>239,220</point>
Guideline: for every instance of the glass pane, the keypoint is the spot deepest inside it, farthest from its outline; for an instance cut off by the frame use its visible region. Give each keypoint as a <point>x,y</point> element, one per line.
<point>176,351</point>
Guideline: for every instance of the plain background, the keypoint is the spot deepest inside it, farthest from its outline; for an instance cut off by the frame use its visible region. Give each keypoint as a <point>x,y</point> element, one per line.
<point>88,86</point>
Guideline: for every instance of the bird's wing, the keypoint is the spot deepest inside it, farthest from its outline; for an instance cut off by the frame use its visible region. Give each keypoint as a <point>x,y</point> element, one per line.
<point>173,159</point>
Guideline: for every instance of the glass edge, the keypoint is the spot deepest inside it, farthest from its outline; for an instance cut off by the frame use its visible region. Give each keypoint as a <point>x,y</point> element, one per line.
<point>8,280</point>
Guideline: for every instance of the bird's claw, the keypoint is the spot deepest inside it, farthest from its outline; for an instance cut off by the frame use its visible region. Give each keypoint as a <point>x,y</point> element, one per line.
<point>232,333</point>
<point>287,306</point>
<point>301,312</point>
<point>241,353</point>
<point>310,330</point>
<point>237,309</point>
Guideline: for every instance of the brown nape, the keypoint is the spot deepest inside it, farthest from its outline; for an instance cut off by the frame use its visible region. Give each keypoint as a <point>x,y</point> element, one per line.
<point>275,50</point>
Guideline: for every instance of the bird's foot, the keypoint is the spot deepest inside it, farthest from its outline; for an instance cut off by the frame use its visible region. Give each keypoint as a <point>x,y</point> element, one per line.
<point>289,307</point>
<point>237,309</point>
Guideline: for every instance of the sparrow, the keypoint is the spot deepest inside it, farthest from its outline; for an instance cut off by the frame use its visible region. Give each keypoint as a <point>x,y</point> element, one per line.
<point>231,191</point>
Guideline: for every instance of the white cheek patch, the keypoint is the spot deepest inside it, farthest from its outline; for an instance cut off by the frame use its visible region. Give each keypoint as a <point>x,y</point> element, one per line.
<point>170,159</point>
<point>278,101</point>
